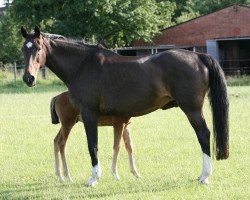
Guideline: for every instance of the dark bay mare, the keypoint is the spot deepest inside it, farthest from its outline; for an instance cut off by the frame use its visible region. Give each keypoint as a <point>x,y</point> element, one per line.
<point>102,82</point>
<point>62,111</point>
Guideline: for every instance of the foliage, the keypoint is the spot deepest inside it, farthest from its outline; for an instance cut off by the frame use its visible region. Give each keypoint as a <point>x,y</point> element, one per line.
<point>10,41</point>
<point>187,12</point>
<point>207,6</point>
<point>110,22</point>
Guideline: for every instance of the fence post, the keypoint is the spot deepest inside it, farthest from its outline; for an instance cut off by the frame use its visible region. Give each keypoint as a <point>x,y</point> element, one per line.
<point>44,72</point>
<point>14,72</point>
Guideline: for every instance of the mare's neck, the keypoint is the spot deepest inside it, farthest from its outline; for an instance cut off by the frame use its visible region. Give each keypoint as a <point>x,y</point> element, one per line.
<point>64,60</point>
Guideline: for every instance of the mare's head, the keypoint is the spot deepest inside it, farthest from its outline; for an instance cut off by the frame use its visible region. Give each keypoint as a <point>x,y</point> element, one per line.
<point>34,53</point>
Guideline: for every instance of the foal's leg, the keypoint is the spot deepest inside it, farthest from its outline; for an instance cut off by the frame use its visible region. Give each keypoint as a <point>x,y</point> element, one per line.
<point>65,131</point>
<point>56,153</point>
<point>203,134</point>
<point>129,147</point>
<point>118,130</point>
<point>59,145</point>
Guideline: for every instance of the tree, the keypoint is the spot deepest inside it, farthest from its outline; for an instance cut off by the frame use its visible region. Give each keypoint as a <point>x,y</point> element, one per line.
<point>111,22</point>
<point>188,12</point>
<point>208,6</point>
<point>10,41</point>
<point>115,22</point>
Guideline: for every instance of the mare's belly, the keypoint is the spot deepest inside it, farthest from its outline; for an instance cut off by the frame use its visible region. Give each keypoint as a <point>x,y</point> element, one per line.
<point>102,120</point>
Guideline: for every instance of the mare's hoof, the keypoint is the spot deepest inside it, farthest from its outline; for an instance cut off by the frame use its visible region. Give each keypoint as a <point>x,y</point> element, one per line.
<point>91,183</point>
<point>203,181</point>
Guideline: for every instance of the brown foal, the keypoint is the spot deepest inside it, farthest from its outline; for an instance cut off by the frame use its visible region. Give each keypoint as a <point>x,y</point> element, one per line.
<point>63,111</point>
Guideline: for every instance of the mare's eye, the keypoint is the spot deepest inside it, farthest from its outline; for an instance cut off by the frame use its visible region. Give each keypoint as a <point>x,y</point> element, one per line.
<point>37,57</point>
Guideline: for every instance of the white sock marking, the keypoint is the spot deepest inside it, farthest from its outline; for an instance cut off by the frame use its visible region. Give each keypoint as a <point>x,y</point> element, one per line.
<point>207,169</point>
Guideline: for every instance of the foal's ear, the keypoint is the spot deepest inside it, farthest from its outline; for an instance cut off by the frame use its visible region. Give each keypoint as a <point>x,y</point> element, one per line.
<point>24,32</point>
<point>37,31</point>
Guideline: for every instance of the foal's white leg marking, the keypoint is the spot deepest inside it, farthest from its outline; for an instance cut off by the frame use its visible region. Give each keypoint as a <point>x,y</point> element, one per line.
<point>114,171</point>
<point>57,166</point>
<point>96,174</point>
<point>207,169</point>
<point>65,167</point>
<point>29,45</point>
<point>132,166</point>
<point>129,148</point>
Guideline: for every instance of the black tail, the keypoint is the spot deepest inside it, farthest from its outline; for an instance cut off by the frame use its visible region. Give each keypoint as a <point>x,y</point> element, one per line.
<point>54,117</point>
<point>220,106</point>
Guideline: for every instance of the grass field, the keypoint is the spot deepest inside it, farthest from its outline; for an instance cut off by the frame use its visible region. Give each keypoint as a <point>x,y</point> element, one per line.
<point>167,152</point>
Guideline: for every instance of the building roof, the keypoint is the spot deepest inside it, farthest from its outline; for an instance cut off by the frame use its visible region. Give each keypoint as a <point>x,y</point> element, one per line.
<point>229,22</point>
<point>233,5</point>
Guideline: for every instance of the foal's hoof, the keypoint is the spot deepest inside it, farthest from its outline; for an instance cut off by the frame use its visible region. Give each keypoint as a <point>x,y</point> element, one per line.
<point>115,175</point>
<point>136,174</point>
<point>60,179</point>
<point>69,179</point>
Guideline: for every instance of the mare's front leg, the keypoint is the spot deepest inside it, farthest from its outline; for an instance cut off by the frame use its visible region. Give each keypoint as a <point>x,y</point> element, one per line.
<point>129,147</point>
<point>90,120</point>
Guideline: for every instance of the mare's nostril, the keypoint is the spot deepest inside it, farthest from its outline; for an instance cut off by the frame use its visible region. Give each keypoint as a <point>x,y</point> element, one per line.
<point>32,78</point>
<point>29,79</point>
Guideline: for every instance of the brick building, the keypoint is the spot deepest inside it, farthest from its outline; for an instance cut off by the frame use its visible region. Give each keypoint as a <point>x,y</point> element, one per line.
<point>225,34</point>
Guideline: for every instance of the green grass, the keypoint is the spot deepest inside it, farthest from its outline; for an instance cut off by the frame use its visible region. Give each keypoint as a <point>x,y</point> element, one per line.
<point>167,152</point>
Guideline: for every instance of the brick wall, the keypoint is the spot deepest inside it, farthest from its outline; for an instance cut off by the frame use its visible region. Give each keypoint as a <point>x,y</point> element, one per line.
<point>233,21</point>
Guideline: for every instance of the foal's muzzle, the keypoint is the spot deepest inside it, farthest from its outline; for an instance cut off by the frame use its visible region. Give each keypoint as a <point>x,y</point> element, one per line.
<point>29,80</point>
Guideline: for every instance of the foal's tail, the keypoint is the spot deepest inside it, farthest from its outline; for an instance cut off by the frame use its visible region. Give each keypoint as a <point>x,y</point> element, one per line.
<point>219,104</point>
<point>54,117</point>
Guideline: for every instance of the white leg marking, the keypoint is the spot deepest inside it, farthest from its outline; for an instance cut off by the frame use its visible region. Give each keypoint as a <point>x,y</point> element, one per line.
<point>57,166</point>
<point>114,171</point>
<point>207,169</point>
<point>132,166</point>
<point>96,174</point>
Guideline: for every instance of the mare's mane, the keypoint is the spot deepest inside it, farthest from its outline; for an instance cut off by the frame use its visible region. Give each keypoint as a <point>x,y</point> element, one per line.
<point>75,42</point>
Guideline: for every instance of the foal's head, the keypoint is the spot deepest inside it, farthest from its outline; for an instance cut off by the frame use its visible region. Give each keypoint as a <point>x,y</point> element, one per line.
<point>34,55</point>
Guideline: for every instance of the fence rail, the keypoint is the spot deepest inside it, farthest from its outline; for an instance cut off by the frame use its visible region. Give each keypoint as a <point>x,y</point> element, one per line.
<point>230,67</point>
<point>236,67</point>
<point>17,69</point>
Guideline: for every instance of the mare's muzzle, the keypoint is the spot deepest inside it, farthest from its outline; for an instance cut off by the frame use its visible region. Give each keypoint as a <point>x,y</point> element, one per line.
<point>29,79</point>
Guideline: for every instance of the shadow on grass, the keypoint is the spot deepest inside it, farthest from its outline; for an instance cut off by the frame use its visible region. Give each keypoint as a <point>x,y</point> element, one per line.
<point>37,190</point>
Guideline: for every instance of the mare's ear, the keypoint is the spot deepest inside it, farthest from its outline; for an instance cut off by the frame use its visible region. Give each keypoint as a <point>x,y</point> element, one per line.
<point>24,32</point>
<point>37,31</point>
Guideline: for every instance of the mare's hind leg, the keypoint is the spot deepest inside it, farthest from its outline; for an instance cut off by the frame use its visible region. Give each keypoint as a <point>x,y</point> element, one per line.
<point>203,134</point>
<point>118,125</point>
<point>129,147</point>
<point>65,131</point>
<point>56,153</point>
